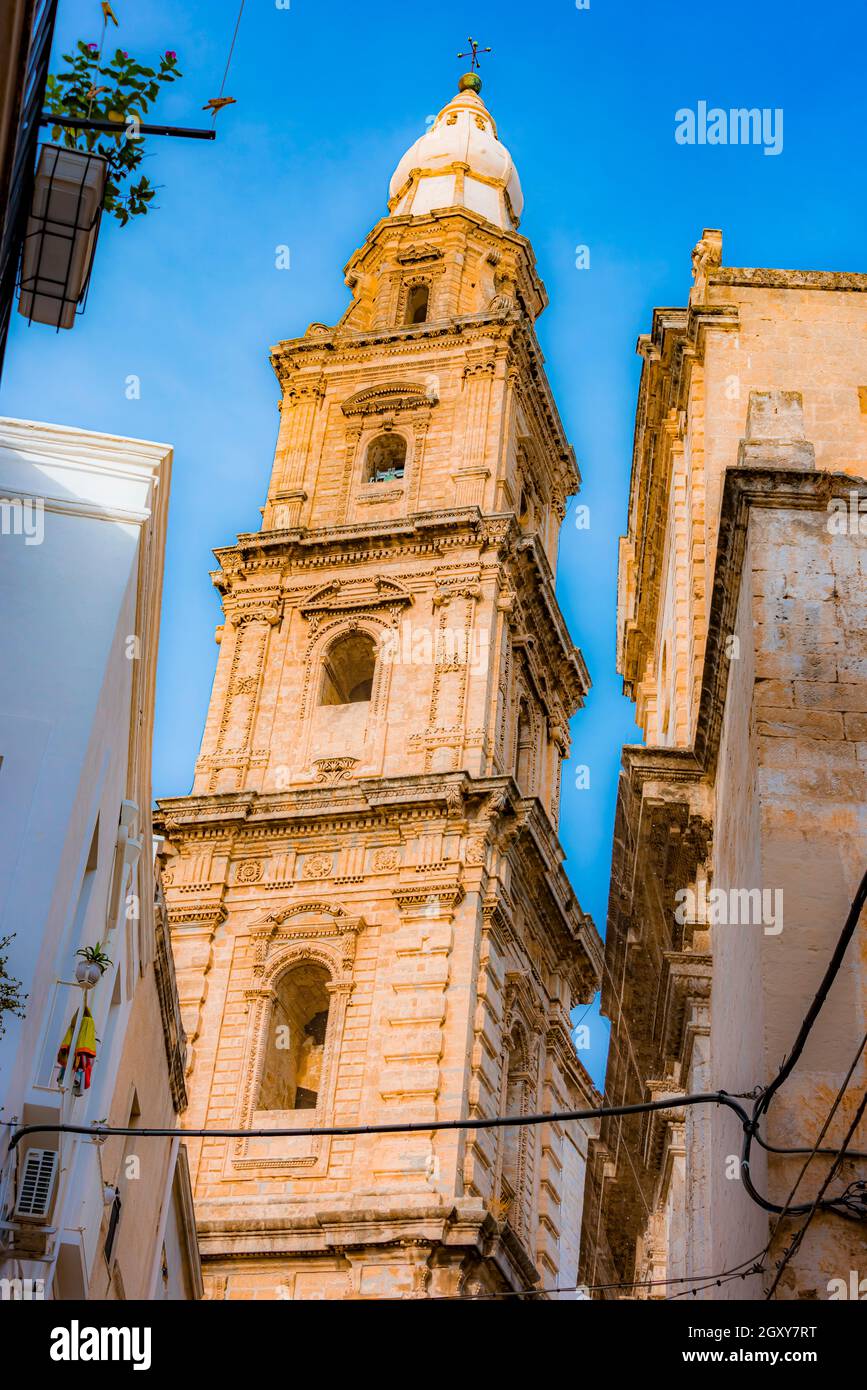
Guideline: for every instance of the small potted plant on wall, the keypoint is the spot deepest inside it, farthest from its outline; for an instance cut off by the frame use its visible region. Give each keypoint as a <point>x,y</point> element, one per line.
<point>85,172</point>
<point>92,966</point>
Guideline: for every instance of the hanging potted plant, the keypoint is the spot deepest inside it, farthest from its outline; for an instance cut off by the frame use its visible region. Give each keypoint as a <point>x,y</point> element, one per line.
<point>85,172</point>
<point>92,966</point>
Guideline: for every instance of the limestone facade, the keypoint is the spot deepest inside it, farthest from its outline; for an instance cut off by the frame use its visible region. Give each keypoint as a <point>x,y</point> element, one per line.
<point>741,622</point>
<point>370,915</point>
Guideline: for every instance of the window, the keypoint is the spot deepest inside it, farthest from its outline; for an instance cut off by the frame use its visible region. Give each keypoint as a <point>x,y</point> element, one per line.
<point>296,1040</point>
<point>347,671</point>
<point>523,748</point>
<point>417,303</point>
<point>130,1171</point>
<point>113,1222</point>
<point>386,457</point>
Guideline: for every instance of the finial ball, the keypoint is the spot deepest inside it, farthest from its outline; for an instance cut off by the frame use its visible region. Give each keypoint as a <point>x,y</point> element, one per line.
<point>470,82</point>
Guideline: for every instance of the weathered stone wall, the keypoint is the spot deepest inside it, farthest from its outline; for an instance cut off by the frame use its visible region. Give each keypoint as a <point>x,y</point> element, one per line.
<point>742,620</point>
<point>732,1227</point>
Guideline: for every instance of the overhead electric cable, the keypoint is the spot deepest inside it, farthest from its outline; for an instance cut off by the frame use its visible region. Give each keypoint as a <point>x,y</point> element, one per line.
<point>817,1200</point>
<point>767,1094</point>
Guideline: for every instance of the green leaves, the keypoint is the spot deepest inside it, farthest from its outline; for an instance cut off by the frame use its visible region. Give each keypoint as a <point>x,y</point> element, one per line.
<point>120,90</point>
<point>11,994</point>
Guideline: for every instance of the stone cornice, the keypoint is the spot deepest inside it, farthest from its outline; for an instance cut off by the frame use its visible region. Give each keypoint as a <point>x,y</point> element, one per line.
<point>535,582</point>
<point>675,343</point>
<point>301,1230</point>
<point>423,533</point>
<point>555,902</point>
<point>431,225</point>
<point>559,1044</point>
<point>468,803</point>
<point>755,278</point>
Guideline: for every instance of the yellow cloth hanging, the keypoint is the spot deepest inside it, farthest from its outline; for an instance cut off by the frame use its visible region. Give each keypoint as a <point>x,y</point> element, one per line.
<point>63,1050</point>
<point>85,1052</point>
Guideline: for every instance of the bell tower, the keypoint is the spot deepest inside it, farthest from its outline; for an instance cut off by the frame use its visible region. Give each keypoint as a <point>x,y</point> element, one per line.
<point>370,915</point>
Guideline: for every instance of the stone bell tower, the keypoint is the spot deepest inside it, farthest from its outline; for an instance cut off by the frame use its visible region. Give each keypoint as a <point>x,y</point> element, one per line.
<point>370,915</point>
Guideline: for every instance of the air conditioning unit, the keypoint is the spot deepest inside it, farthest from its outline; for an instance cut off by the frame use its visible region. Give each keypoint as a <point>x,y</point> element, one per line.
<point>36,1184</point>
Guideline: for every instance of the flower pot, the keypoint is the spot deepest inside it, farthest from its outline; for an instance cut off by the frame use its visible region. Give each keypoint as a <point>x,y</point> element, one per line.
<point>61,234</point>
<point>87,974</point>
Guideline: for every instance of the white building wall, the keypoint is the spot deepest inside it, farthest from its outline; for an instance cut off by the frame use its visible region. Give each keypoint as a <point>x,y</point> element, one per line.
<point>81,554</point>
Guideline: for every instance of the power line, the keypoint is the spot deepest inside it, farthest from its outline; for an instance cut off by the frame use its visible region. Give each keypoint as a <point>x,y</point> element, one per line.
<point>406,1127</point>
<point>231,50</point>
<point>817,1201</point>
<point>857,1205</point>
<point>763,1102</point>
<point>97,1131</point>
<point>736,1272</point>
<point>749,1124</point>
<point>824,1130</point>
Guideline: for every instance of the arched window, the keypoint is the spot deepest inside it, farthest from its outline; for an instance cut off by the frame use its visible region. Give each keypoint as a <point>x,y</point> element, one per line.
<point>347,670</point>
<point>386,457</point>
<point>524,748</point>
<point>417,301</point>
<point>296,1040</point>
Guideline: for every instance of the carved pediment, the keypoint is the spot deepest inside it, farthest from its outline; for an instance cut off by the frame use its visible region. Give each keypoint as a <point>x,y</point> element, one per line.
<point>421,251</point>
<point>346,596</point>
<point>389,396</point>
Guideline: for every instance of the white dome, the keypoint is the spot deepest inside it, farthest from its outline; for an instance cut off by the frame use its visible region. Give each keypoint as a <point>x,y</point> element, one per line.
<point>430,174</point>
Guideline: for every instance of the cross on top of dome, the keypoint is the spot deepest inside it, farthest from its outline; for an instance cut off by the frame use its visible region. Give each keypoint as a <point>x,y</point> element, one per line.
<point>473,53</point>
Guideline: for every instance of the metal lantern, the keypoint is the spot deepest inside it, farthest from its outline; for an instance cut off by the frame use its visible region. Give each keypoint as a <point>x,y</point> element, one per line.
<point>62,228</point>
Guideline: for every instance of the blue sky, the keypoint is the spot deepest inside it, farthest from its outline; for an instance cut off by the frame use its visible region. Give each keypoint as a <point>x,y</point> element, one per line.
<point>329,95</point>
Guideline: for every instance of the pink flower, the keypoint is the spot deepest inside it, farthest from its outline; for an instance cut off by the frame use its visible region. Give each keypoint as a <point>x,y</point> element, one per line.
<point>170,53</point>
<point>94,47</point>
<point>123,54</point>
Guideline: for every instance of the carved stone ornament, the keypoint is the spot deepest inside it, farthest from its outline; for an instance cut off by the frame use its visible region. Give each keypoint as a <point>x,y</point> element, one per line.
<point>317,866</point>
<point>339,597</point>
<point>333,770</point>
<point>419,251</point>
<point>386,860</point>
<point>249,871</point>
<point>706,256</point>
<point>395,395</point>
<point>476,851</point>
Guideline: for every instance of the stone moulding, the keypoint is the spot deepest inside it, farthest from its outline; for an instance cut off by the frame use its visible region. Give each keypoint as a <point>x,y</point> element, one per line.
<point>340,597</point>
<point>394,395</point>
<point>758,278</point>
